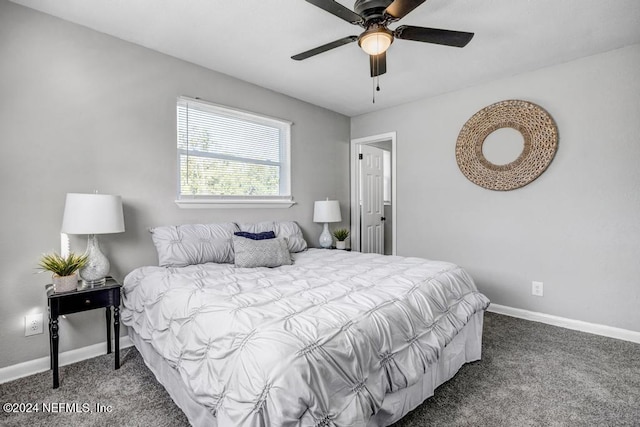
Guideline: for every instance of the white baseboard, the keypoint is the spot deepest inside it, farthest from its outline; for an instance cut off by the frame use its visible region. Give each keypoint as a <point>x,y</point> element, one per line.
<point>577,325</point>
<point>42,364</point>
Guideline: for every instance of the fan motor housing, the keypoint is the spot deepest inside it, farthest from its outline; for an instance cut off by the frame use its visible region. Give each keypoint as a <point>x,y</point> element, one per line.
<point>371,9</point>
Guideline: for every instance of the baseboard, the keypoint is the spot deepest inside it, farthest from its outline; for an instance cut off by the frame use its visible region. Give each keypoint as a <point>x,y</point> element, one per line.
<point>42,364</point>
<point>577,325</point>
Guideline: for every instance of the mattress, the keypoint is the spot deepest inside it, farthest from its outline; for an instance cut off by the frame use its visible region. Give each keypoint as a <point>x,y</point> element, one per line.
<point>337,338</point>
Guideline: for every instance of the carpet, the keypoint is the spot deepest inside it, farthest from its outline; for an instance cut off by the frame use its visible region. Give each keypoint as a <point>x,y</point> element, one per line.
<point>531,374</point>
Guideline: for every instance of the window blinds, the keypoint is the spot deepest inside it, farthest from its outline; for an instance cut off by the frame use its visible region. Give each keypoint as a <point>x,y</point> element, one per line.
<point>227,153</point>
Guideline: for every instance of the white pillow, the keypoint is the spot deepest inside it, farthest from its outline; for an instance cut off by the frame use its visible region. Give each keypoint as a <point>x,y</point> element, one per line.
<point>258,227</point>
<point>188,244</point>
<point>290,230</point>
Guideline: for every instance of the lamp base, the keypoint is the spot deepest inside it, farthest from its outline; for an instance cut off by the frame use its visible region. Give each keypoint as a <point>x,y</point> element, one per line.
<point>325,238</point>
<point>94,273</point>
<point>86,284</point>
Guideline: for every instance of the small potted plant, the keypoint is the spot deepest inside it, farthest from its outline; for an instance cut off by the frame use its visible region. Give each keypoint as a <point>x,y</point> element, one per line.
<point>64,269</point>
<point>341,234</point>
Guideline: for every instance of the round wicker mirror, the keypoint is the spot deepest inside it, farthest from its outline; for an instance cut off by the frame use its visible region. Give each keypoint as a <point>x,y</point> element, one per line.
<point>539,133</point>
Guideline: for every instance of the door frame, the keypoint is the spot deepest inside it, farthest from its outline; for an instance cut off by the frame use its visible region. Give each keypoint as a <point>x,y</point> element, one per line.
<point>355,187</point>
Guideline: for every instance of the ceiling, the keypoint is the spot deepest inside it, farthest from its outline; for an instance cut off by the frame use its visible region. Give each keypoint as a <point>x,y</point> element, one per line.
<point>254,40</point>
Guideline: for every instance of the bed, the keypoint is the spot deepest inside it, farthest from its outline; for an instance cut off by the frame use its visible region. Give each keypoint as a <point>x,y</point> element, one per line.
<point>318,338</point>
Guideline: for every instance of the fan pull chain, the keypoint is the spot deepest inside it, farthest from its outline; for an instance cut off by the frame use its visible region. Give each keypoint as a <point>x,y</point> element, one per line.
<point>376,87</point>
<point>373,89</point>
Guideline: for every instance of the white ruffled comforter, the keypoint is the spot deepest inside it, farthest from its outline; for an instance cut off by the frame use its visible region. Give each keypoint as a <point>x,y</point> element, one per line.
<point>330,334</point>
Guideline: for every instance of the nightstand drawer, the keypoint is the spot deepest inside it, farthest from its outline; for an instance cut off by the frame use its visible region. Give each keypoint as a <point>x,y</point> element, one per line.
<point>76,302</point>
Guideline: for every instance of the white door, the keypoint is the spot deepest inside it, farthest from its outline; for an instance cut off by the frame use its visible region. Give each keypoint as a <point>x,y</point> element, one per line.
<point>372,203</point>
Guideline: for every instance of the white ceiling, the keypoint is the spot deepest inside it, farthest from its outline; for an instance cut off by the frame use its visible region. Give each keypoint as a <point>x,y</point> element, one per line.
<point>253,40</point>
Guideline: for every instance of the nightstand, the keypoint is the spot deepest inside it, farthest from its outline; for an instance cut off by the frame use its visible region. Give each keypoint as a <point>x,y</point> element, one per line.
<point>103,296</point>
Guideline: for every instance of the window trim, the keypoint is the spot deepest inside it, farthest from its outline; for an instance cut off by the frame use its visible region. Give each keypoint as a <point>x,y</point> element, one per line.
<point>212,201</point>
<point>233,204</point>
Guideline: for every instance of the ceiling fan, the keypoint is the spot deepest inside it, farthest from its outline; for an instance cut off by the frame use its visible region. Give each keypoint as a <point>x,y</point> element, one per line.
<point>375,16</point>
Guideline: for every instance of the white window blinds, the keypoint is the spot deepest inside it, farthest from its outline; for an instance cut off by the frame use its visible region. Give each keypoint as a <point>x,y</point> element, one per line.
<point>225,153</point>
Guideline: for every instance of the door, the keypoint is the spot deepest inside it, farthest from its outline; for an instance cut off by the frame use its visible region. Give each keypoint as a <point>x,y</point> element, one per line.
<point>372,203</point>
<point>386,141</point>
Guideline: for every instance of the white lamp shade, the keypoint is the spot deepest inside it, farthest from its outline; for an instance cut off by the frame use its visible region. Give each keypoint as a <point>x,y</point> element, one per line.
<point>92,214</point>
<point>326,211</point>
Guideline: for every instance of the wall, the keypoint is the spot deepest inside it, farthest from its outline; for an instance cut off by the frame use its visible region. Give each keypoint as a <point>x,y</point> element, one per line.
<point>82,111</point>
<point>576,228</point>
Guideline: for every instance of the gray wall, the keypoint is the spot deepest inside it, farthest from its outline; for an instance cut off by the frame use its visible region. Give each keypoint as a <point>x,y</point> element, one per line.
<point>82,111</point>
<point>576,228</point>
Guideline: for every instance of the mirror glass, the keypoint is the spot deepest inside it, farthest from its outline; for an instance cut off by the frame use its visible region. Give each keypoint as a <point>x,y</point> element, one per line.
<point>503,146</point>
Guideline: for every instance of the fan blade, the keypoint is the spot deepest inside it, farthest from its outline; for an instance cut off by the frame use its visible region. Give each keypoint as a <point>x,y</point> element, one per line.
<point>401,8</point>
<point>338,10</point>
<point>378,64</point>
<point>324,48</point>
<point>433,35</point>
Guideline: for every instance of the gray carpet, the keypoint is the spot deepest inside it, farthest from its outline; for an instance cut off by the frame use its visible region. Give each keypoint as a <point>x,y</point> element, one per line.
<point>531,374</point>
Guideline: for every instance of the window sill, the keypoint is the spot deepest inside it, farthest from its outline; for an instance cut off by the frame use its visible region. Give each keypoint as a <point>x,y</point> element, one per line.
<point>234,204</point>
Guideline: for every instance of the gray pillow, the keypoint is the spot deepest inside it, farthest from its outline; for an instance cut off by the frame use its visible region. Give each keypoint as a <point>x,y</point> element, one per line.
<point>189,244</point>
<point>261,253</point>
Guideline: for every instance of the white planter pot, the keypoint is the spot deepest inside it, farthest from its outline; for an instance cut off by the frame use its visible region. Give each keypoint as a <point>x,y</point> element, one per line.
<point>65,283</point>
<point>341,244</point>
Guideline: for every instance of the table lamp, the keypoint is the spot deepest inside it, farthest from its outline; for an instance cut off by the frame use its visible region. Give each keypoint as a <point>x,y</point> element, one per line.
<point>93,214</point>
<point>326,211</point>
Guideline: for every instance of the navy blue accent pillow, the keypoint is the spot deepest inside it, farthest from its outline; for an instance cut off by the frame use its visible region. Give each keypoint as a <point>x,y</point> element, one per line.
<point>256,236</point>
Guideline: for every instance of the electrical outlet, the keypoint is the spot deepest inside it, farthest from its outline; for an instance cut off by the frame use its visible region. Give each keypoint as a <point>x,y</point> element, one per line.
<point>537,289</point>
<point>33,324</point>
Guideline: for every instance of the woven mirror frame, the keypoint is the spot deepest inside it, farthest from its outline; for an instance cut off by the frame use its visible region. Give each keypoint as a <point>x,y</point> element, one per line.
<point>540,136</point>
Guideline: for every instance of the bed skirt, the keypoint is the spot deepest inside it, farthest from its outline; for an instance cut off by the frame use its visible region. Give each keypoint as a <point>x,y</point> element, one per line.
<point>465,347</point>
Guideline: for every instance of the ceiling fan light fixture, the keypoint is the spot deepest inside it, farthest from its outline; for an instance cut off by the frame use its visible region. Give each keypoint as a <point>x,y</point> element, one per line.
<point>375,40</point>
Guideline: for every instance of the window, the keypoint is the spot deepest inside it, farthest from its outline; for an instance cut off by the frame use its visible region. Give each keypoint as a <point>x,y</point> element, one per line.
<point>231,156</point>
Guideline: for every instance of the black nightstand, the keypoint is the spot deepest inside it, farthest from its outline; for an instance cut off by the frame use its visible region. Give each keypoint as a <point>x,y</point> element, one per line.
<point>103,296</point>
